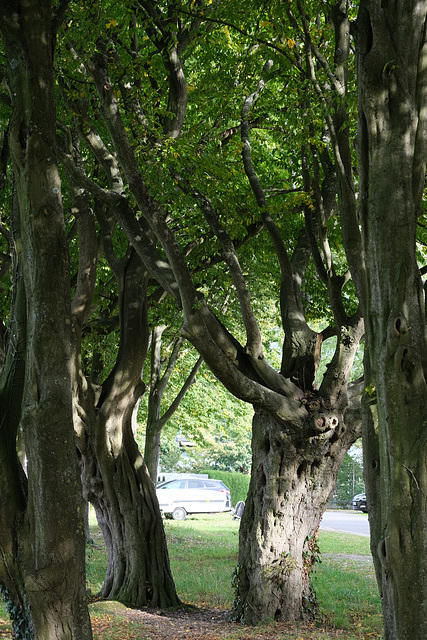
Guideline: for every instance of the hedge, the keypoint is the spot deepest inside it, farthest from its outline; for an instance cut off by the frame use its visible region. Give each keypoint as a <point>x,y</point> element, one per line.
<point>238,483</point>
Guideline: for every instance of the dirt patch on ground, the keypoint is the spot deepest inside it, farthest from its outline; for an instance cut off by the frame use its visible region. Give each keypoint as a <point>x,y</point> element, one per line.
<point>348,557</point>
<point>203,624</point>
<point>194,624</point>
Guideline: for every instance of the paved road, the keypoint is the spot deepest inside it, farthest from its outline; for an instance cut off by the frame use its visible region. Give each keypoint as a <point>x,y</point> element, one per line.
<point>346,521</point>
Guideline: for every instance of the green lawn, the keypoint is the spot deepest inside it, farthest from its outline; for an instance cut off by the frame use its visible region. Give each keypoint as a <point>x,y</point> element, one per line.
<point>203,552</point>
<point>203,555</point>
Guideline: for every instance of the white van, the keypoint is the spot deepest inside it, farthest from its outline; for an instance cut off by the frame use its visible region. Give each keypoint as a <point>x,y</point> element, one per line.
<point>182,496</point>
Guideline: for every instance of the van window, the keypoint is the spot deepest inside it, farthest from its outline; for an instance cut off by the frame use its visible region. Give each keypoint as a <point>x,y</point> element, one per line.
<point>175,484</point>
<point>195,484</point>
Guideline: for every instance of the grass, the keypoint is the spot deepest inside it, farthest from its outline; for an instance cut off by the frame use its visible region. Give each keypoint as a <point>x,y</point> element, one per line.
<point>203,554</point>
<point>345,583</point>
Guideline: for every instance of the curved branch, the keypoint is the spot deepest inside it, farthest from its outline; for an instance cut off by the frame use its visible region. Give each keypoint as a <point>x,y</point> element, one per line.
<point>285,403</point>
<point>254,340</point>
<point>152,212</point>
<point>174,406</point>
<point>254,180</point>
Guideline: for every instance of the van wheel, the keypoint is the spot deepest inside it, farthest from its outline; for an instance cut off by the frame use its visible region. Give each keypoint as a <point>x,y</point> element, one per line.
<point>179,513</point>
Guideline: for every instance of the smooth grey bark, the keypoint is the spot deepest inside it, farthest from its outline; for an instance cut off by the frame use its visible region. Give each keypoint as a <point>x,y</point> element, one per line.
<point>392,68</point>
<point>51,543</point>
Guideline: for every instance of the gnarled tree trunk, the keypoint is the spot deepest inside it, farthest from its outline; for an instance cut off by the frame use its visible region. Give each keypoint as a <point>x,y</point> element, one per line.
<point>115,478</point>
<point>294,472</point>
<point>127,510</point>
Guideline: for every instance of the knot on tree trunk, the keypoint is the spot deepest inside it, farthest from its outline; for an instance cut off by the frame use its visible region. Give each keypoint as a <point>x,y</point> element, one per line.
<point>398,328</point>
<point>322,417</point>
<point>324,422</point>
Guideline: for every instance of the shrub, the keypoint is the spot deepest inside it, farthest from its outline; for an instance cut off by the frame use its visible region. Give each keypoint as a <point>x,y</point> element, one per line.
<point>238,483</point>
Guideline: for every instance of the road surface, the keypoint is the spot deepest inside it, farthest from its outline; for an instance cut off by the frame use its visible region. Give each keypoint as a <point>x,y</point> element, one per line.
<point>346,521</point>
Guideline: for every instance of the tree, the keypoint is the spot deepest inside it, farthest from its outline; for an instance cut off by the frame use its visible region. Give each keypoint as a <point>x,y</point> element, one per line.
<point>115,479</point>
<point>42,570</point>
<point>300,433</point>
<point>158,383</point>
<point>391,49</point>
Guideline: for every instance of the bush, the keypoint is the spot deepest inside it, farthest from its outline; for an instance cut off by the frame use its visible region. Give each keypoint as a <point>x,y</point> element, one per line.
<point>238,483</point>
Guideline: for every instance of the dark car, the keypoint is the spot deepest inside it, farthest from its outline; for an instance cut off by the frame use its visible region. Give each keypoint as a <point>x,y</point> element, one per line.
<point>359,502</point>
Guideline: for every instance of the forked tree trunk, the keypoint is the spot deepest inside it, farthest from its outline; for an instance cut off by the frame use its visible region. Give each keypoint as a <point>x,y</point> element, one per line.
<point>294,471</point>
<point>115,478</point>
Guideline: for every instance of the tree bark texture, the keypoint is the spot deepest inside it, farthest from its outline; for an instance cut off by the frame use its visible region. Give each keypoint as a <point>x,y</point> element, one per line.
<point>294,472</point>
<point>13,483</point>
<point>392,61</point>
<point>115,478</point>
<point>138,571</point>
<point>51,542</point>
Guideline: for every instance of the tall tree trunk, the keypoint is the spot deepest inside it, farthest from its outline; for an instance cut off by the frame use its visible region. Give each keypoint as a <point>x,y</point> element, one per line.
<point>392,94</point>
<point>116,482</point>
<point>13,484</point>
<point>51,540</point>
<point>127,510</point>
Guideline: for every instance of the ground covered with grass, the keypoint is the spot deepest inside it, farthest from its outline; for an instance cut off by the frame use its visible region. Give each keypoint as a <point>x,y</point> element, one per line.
<point>203,552</point>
